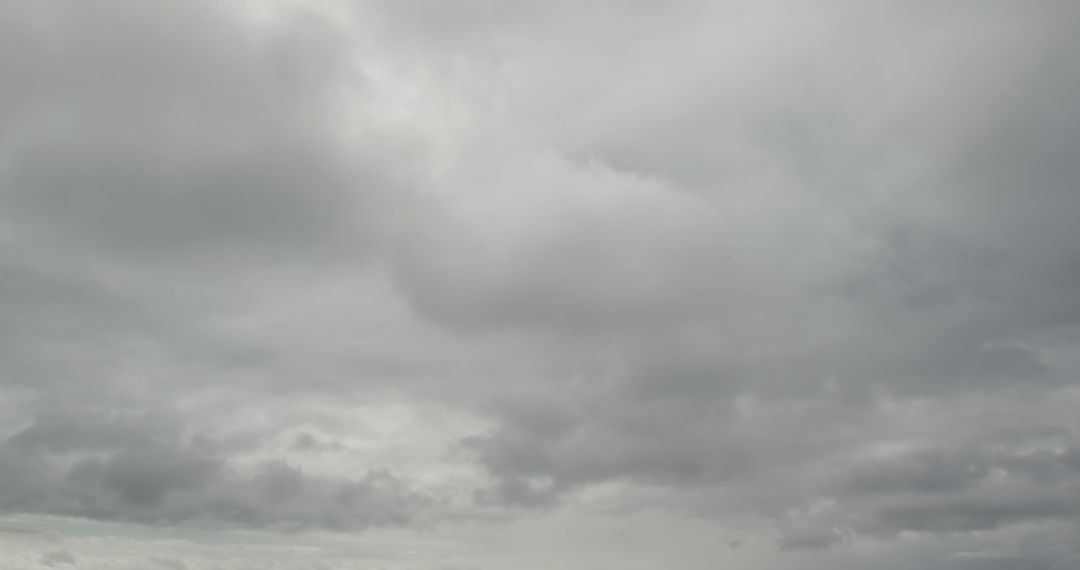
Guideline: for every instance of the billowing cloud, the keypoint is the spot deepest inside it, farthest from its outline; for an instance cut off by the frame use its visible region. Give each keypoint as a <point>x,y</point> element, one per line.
<point>149,470</point>
<point>801,276</point>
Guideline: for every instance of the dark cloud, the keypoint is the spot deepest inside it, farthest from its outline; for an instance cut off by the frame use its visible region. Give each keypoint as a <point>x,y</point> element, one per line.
<point>177,132</point>
<point>170,563</point>
<point>809,273</point>
<point>924,472</point>
<point>815,539</point>
<point>947,297</point>
<point>144,469</point>
<point>971,486</point>
<point>58,558</point>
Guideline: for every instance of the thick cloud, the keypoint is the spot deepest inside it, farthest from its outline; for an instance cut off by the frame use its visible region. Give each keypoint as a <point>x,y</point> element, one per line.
<point>804,276</point>
<point>57,558</point>
<point>180,130</point>
<point>914,243</point>
<point>137,468</point>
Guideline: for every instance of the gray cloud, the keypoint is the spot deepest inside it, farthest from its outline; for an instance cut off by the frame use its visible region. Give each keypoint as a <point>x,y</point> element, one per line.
<point>180,131</point>
<point>150,470</point>
<point>170,563</point>
<point>935,286</point>
<point>58,558</point>
<point>806,273</point>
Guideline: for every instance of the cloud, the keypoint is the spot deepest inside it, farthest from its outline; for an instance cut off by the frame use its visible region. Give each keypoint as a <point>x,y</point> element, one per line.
<point>58,558</point>
<point>154,471</point>
<point>170,563</point>
<point>184,131</point>
<point>805,274</point>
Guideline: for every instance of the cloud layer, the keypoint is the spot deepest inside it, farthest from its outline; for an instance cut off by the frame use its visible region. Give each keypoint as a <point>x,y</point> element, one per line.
<point>806,274</point>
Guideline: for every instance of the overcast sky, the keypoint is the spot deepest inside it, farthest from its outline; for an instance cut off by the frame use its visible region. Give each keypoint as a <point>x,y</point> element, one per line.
<point>539,285</point>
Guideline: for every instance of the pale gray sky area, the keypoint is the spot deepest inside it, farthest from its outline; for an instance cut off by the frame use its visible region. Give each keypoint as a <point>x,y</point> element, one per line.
<point>539,285</point>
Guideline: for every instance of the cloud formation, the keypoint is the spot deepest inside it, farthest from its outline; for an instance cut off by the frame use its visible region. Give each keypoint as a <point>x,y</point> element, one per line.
<point>803,275</point>
<point>148,470</point>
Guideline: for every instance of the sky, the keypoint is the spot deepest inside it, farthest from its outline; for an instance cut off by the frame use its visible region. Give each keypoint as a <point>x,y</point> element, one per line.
<point>559,285</point>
